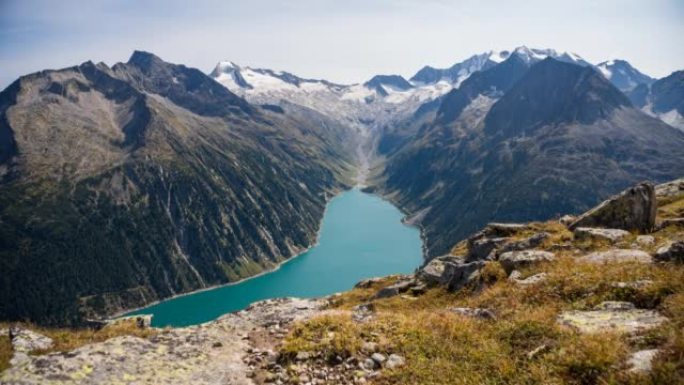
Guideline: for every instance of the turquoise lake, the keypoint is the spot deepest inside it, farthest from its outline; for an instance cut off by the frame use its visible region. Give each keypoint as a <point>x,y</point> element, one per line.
<point>361,237</point>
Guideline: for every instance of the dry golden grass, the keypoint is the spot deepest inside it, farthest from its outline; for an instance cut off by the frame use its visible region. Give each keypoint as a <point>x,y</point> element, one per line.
<point>5,352</point>
<point>441,347</point>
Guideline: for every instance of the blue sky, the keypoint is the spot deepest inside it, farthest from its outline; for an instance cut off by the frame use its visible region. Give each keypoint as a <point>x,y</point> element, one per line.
<point>344,41</point>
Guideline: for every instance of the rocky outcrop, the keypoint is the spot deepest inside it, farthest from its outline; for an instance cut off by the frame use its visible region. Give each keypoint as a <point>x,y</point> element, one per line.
<point>632,209</point>
<point>620,317</point>
<point>211,353</point>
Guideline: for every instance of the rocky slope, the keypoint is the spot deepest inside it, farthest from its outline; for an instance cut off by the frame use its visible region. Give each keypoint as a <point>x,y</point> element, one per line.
<point>124,185</point>
<point>516,303</point>
<point>500,149</point>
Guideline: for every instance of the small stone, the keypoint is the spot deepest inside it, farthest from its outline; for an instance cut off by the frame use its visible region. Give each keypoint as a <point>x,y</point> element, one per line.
<point>395,361</point>
<point>302,356</point>
<point>368,364</point>
<point>378,358</point>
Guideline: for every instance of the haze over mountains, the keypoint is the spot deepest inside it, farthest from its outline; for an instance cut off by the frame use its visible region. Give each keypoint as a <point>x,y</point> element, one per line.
<point>148,179</point>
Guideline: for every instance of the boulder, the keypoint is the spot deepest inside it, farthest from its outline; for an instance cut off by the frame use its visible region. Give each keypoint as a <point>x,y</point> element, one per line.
<point>474,312</point>
<point>612,235</point>
<point>632,209</point>
<point>514,260</point>
<point>672,252</point>
<point>433,272</point>
<point>619,317</point>
<point>483,248</point>
<point>617,255</point>
<point>461,274</point>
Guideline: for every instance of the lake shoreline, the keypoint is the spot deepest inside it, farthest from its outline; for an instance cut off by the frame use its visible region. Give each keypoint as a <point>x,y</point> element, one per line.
<point>125,313</point>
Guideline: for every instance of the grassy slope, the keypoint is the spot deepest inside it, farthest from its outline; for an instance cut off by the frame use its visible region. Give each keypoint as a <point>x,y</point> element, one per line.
<point>444,348</point>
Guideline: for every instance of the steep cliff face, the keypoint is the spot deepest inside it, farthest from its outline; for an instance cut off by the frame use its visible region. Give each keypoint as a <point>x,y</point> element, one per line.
<point>555,141</point>
<point>125,185</point>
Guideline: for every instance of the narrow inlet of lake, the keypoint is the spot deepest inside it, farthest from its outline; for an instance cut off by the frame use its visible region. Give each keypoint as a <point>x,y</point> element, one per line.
<point>361,237</point>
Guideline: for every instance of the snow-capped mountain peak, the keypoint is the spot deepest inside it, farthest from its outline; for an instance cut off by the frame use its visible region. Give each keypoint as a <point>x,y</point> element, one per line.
<point>623,75</point>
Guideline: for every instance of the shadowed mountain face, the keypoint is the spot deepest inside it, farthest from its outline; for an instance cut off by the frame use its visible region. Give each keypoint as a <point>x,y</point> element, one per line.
<point>557,140</point>
<point>126,185</point>
<point>664,99</point>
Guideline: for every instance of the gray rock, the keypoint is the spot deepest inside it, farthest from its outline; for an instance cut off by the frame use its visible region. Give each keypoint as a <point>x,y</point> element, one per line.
<point>566,220</point>
<point>617,255</point>
<point>474,312</point>
<point>524,244</point>
<point>513,260</point>
<point>432,272</point>
<point>669,189</point>
<point>619,317</point>
<point>632,209</point>
<point>504,229</point>
<point>363,312</point>
<point>641,361</point>
<point>645,240</point>
<point>461,274</point>
<point>672,252</point>
<point>379,358</point>
<point>366,283</point>
<point>483,248</point>
<point>26,341</point>
<point>369,364</point>
<point>612,235</point>
<point>397,288</point>
<point>633,285</point>
<point>615,306</point>
<point>395,361</point>
<point>531,280</point>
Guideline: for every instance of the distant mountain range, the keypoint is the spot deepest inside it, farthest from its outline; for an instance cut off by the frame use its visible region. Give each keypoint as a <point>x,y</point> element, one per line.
<point>124,185</point>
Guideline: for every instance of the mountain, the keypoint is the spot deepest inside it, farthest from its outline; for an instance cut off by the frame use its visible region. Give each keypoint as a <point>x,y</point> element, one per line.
<point>373,104</point>
<point>459,72</point>
<point>623,75</point>
<point>550,142</point>
<point>663,99</point>
<point>126,185</point>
